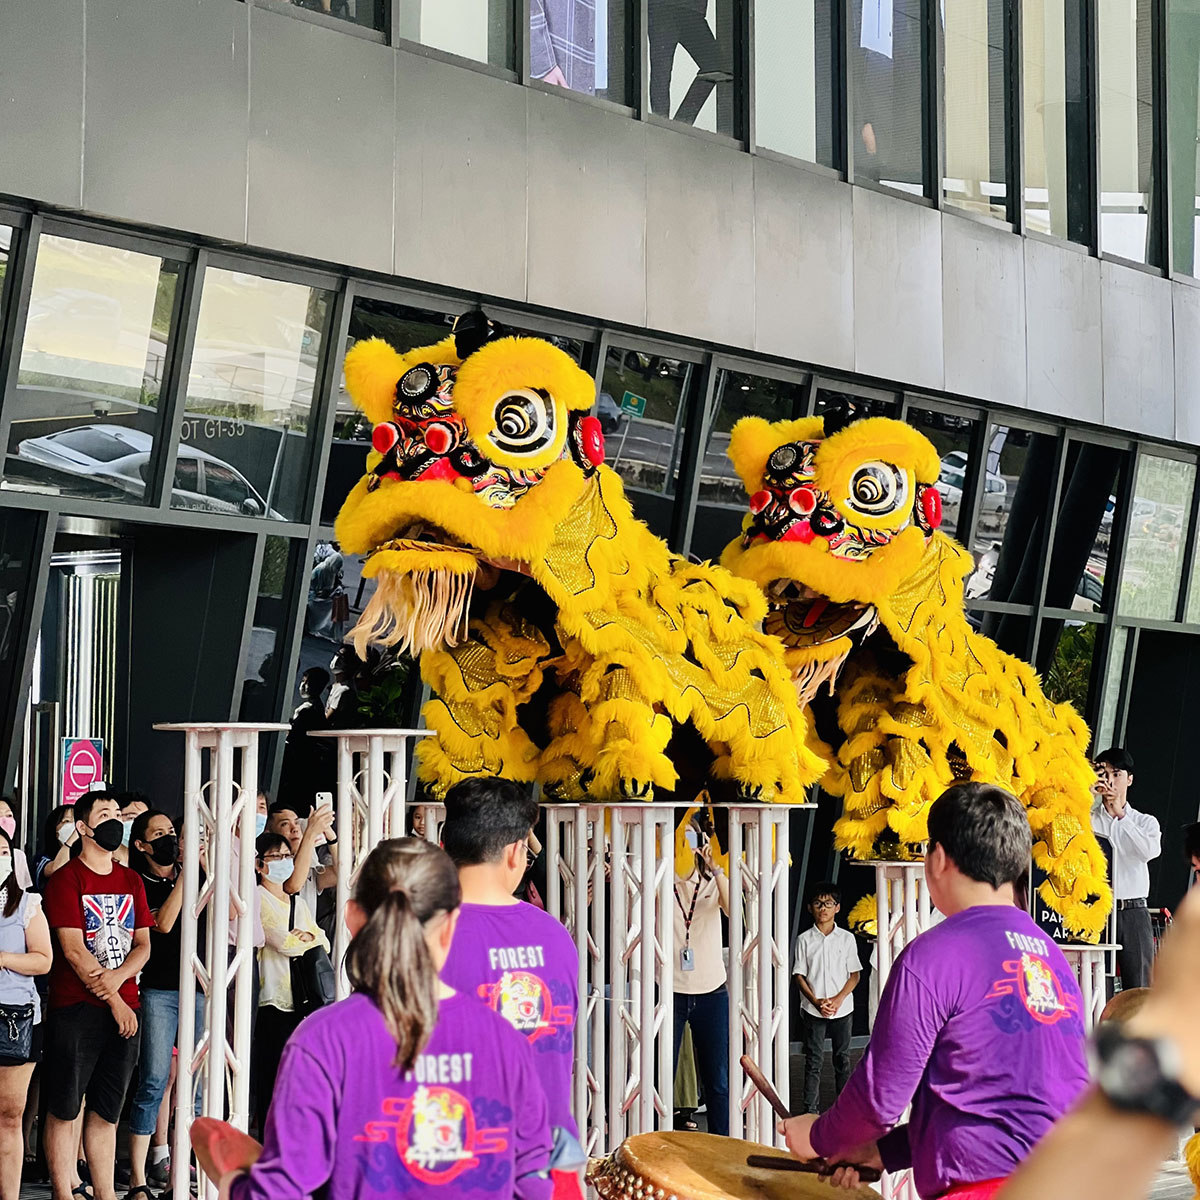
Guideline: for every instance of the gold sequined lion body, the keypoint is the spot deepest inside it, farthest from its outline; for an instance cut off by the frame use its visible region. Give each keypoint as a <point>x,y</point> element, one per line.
<point>563,642</point>
<point>867,596</point>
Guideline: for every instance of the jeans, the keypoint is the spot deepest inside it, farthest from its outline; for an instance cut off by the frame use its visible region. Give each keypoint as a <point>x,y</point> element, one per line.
<point>160,1026</point>
<point>816,1030</point>
<point>1137,946</point>
<point>708,1015</point>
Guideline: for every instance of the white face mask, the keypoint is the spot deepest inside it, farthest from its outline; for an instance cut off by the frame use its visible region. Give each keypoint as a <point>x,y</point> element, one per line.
<point>65,833</point>
<point>279,870</point>
<point>127,826</point>
<point>5,869</point>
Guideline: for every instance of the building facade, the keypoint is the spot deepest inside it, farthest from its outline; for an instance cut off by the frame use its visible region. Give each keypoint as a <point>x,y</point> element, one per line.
<point>977,215</point>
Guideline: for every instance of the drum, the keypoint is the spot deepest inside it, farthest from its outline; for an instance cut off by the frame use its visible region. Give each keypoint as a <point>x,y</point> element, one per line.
<point>702,1166</point>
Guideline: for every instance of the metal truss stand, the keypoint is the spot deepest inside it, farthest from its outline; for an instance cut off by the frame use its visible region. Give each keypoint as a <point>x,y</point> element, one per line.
<point>613,889</point>
<point>902,910</point>
<point>759,983</point>
<point>1088,963</point>
<point>611,882</point>
<point>219,801</point>
<point>372,772</point>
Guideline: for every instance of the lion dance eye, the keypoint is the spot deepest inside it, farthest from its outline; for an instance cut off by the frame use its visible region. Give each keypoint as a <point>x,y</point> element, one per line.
<point>524,421</point>
<point>878,489</point>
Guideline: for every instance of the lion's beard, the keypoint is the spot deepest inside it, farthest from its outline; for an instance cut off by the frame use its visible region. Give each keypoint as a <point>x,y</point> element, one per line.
<point>416,611</point>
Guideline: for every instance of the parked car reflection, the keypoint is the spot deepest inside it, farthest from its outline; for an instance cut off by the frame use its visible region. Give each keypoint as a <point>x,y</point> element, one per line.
<point>118,457</point>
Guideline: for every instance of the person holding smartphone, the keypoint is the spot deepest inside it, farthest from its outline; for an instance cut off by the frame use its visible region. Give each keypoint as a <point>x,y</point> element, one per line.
<point>701,997</point>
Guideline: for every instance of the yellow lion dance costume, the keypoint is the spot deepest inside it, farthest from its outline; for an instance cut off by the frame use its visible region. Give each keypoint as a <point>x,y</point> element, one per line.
<point>867,597</point>
<point>563,642</point>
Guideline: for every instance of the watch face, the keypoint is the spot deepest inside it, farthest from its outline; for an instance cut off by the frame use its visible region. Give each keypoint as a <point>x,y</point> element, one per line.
<point>1135,1066</point>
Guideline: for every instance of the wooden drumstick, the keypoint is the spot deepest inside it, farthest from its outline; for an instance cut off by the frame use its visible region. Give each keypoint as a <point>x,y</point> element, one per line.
<point>760,1081</point>
<point>817,1166</point>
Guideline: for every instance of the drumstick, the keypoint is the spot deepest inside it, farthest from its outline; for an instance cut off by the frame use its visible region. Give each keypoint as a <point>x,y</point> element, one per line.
<point>760,1081</point>
<point>818,1166</point>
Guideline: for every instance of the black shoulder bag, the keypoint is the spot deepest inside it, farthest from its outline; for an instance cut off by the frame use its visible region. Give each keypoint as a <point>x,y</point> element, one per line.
<point>313,981</point>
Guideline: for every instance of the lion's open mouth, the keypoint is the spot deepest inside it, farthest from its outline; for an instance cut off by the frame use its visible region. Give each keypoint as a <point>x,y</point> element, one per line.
<point>425,579</point>
<point>801,617</point>
<point>805,620</point>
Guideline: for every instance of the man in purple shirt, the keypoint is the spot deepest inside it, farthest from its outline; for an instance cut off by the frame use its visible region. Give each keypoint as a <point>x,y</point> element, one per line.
<point>980,1025</point>
<point>515,957</point>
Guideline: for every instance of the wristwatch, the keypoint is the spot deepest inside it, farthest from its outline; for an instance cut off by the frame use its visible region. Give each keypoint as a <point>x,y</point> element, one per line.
<point>1141,1075</point>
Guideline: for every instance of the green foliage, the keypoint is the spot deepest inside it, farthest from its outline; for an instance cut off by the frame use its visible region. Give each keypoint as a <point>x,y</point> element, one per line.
<point>274,566</point>
<point>383,704</point>
<point>1071,668</point>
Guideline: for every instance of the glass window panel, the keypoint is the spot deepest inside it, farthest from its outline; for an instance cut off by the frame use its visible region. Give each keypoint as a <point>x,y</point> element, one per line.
<point>6,235</point>
<point>952,436</point>
<point>1066,653</point>
<point>641,408</point>
<point>1158,516</point>
<point>1104,733</point>
<point>885,72</point>
<point>1053,41</point>
<point>85,411</point>
<point>864,406</point>
<point>478,29</point>
<point>722,497</point>
<point>582,45</point>
<point>1019,468</point>
<point>1010,631</point>
<point>260,688</point>
<point>692,72</point>
<point>1087,508</point>
<point>1126,127</point>
<point>404,328</point>
<point>972,106</point>
<point>1183,130</point>
<point>371,14</point>
<point>794,88</point>
<point>250,396</point>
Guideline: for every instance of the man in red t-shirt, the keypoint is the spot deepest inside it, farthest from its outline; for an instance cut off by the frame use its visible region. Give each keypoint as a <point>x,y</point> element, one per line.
<point>97,909</point>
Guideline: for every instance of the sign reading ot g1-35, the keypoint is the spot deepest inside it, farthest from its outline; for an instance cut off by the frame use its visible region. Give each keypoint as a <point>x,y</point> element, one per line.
<point>82,766</point>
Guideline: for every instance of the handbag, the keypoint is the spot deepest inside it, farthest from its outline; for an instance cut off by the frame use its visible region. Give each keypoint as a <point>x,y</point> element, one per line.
<point>16,1031</point>
<point>313,982</point>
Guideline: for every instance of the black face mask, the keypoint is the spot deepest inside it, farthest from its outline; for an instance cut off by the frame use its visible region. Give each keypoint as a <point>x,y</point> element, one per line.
<point>165,850</point>
<point>109,834</point>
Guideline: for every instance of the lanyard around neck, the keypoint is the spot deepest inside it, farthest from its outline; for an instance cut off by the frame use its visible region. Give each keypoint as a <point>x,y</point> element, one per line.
<point>689,914</point>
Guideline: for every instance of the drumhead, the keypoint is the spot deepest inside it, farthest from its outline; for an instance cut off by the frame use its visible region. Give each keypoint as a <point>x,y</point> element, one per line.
<point>702,1166</point>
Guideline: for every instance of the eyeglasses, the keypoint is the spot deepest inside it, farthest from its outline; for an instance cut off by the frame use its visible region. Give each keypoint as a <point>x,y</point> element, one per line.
<point>825,904</point>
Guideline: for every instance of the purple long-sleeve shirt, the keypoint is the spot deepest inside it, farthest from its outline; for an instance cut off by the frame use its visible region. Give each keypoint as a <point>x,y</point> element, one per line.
<point>980,1027</point>
<point>523,963</point>
<point>468,1120</point>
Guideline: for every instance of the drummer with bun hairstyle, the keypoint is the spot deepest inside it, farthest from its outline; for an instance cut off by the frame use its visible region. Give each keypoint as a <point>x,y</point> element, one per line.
<point>980,1024</point>
<point>406,1088</point>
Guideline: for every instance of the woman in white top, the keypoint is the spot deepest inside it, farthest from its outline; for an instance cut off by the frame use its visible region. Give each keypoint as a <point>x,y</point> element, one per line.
<point>701,998</point>
<point>288,933</point>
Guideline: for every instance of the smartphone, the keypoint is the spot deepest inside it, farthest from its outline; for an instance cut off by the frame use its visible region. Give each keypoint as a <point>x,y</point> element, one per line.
<point>323,800</point>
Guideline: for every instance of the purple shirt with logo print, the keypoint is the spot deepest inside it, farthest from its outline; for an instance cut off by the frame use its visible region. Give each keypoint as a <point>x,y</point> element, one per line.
<point>523,963</point>
<point>980,1027</point>
<point>468,1120</point>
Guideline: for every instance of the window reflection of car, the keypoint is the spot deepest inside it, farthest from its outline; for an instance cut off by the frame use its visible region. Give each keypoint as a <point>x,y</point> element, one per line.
<point>1089,592</point>
<point>952,479</point>
<point>608,413</point>
<point>118,457</point>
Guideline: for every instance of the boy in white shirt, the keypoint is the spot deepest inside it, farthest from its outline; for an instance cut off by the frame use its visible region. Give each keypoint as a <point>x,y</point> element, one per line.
<point>827,969</point>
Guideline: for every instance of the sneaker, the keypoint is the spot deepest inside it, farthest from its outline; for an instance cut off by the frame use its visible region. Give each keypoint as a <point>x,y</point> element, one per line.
<point>158,1173</point>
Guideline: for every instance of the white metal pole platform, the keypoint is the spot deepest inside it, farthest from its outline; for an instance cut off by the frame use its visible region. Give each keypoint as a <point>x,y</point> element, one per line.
<point>219,802</point>
<point>372,772</point>
<point>1088,963</point>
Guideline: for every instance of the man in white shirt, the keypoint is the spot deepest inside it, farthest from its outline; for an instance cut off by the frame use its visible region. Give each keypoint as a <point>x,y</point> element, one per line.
<point>827,970</point>
<point>1136,840</point>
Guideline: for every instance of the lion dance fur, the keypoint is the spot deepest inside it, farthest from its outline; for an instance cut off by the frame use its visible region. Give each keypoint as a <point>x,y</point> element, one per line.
<point>563,642</point>
<point>867,596</point>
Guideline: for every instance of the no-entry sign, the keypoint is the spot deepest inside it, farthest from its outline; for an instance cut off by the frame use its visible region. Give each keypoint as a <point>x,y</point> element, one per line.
<point>82,766</point>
